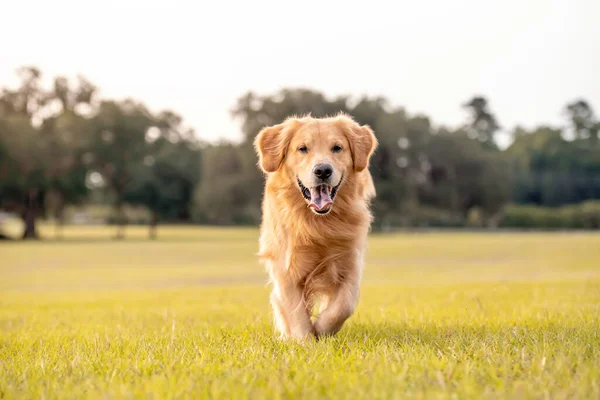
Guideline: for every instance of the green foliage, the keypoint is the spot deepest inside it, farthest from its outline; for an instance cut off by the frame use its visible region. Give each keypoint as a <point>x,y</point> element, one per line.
<point>56,144</point>
<point>416,165</point>
<point>231,187</point>
<point>165,179</point>
<point>584,125</point>
<point>553,171</point>
<point>42,139</point>
<point>585,215</point>
<point>483,125</point>
<point>465,176</point>
<point>63,146</point>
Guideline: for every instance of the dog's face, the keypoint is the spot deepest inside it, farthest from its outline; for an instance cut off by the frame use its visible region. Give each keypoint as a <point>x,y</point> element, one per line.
<point>319,157</point>
<point>318,154</point>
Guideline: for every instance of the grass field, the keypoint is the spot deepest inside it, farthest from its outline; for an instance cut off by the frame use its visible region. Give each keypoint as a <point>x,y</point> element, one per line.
<point>448,315</point>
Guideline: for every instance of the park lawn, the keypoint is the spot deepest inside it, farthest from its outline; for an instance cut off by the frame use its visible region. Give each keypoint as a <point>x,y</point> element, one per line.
<point>460,315</point>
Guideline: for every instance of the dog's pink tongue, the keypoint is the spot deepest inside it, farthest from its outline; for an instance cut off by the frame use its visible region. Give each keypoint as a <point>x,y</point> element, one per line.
<point>320,197</point>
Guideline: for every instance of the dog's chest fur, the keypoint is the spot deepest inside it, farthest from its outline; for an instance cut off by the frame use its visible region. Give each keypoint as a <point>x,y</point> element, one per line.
<point>317,266</point>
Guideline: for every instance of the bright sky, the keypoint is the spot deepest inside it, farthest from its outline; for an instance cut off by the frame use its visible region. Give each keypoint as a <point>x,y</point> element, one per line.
<point>528,57</point>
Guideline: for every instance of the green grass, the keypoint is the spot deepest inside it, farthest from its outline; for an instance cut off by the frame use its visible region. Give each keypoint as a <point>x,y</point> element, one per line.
<point>441,315</point>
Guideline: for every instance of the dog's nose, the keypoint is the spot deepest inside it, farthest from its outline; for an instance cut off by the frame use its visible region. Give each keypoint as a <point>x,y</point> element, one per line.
<point>323,171</point>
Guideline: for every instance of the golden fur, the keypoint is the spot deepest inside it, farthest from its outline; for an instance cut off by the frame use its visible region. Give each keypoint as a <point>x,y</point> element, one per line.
<point>308,256</point>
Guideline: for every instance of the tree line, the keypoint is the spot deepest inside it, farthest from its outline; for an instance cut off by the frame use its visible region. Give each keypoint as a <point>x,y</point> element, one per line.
<point>64,146</point>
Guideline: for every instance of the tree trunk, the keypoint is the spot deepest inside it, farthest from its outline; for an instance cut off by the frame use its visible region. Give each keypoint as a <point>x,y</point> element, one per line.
<point>153,224</point>
<point>493,220</point>
<point>59,220</point>
<point>121,220</point>
<point>30,214</point>
<point>59,223</point>
<point>454,196</point>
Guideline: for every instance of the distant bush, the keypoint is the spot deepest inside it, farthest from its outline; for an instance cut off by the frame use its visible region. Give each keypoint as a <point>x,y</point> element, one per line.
<point>436,218</point>
<point>105,214</point>
<point>422,217</point>
<point>577,216</point>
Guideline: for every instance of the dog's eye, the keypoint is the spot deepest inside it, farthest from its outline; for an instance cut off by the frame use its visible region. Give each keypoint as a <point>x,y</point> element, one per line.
<point>303,149</point>
<point>337,148</point>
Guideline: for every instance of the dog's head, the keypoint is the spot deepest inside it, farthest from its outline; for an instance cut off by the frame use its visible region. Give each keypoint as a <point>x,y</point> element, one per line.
<point>318,154</point>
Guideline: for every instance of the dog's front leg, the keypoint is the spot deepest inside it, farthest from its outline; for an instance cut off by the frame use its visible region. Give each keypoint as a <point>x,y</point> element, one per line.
<point>292,318</point>
<point>340,304</point>
<point>340,307</point>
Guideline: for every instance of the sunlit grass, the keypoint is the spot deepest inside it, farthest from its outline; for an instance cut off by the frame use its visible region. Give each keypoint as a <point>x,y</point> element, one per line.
<point>441,315</point>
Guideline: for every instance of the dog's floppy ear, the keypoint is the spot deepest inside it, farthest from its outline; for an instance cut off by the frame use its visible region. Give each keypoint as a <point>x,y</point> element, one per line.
<point>362,142</point>
<point>272,142</point>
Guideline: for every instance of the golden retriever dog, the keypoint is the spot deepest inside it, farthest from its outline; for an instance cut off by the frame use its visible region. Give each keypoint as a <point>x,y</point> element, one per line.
<point>315,220</point>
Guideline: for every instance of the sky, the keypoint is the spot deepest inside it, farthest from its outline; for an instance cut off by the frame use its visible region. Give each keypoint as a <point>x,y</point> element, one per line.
<point>528,57</point>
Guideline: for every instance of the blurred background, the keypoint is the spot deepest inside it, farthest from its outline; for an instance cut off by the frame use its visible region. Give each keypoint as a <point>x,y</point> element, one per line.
<point>143,112</point>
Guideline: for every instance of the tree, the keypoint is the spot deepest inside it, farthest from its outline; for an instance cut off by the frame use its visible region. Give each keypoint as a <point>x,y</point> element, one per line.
<point>482,125</point>
<point>67,134</point>
<point>584,124</point>
<point>24,162</point>
<point>22,171</point>
<point>551,170</point>
<point>43,139</point>
<point>164,182</point>
<point>464,177</point>
<point>257,112</point>
<point>118,147</point>
<point>229,191</point>
<point>400,164</point>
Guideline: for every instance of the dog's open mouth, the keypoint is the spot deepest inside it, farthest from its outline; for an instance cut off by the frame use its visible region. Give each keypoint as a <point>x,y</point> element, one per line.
<point>320,198</point>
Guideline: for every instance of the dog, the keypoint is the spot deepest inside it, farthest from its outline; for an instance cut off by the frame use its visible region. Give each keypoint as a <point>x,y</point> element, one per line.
<point>315,219</point>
